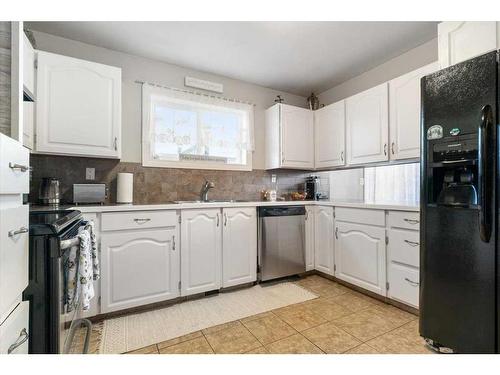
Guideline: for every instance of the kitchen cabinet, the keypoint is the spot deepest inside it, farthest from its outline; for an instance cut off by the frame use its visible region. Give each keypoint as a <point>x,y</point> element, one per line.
<point>323,240</point>
<point>78,107</point>
<point>462,40</point>
<point>14,331</point>
<point>309,237</point>
<point>329,134</point>
<point>367,126</point>
<point>239,250</point>
<point>139,266</point>
<point>28,68</point>
<point>289,137</point>
<point>28,125</point>
<point>360,255</point>
<point>404,113</point>
<point>201,247</point>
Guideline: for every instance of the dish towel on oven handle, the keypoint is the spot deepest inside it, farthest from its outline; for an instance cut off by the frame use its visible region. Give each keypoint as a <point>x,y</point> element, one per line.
<point>88,268</point>
<point>71,281</point>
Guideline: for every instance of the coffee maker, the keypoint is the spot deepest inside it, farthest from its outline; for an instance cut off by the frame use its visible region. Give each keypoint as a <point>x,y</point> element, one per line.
<point>311,188</point>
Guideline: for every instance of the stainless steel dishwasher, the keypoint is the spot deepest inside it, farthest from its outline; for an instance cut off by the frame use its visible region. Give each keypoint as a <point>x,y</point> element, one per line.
<point>281,241</point>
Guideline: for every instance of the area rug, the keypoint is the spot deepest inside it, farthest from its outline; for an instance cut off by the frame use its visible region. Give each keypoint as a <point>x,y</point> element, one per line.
<point>136,331</point>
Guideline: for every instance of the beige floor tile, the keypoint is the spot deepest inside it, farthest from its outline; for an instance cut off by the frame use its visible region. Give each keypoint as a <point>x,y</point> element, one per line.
<point>178,340</point>
<point>327,308</point>
<point>220,327</point>
<point>299,317</point>
<point>365,325</point>
<point>352,301</point>
<point>362,349</point>
<point>151,349</point>
<point>296,344</point>
<point>198,345</point>
<point>400,342</point>
<point>234,339</point>
<point>269,328</point>
<point>396,316</point>
<point>258,316</point>
<point>328,290</point>
<point>259,350</point>
<point>331,339</point>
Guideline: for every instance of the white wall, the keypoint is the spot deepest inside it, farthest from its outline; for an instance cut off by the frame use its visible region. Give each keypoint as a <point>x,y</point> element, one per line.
<point>142,69</point>
<point>411,60</point>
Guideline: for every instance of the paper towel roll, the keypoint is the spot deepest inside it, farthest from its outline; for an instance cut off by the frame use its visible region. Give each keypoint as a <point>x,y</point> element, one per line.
<point>125,188</point>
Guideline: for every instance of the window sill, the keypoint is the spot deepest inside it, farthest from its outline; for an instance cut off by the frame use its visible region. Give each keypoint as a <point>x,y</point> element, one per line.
<point>195,165</point>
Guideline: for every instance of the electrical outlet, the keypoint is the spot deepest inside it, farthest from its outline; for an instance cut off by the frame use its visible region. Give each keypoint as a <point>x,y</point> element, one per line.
<point>273,178</point>
<point>90,173</point>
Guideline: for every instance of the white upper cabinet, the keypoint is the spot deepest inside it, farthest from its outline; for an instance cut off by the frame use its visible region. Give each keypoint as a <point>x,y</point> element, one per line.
<point>462,40</point>
<point>289,137</point>
<point>404,113</point>
<point>239,251</point>
<point>78,109</point>
<point>201,246</point>
<point>323,240</point>
<point>367,126</point>
<point>28,67</point>
<point>360,257</point>
<point>329,134</point>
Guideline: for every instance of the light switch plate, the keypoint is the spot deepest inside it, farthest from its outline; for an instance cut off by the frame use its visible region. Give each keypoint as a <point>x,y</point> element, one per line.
<point>90,173</point>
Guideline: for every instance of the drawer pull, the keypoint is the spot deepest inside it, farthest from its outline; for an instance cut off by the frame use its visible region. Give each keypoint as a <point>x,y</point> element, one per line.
<point>411,221</point>
<point>412,243</point>
<point>23,337</point>
<point>411,282</point>
<point>12,233</point>
<point>142,221</point>
<point>22,168</point>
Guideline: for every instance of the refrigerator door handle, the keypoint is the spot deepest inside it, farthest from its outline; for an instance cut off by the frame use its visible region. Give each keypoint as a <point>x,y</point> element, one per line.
<point>485,173</point>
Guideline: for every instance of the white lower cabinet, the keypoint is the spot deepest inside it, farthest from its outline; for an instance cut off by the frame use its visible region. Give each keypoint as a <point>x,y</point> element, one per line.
<point>403,284</point>
<point>309,238</point>
<point>239,246</point>
<point>139,266</point>
<point>201,247</point>
<point>323,240</point>
<point>14,331</point>
<point>360,257</point>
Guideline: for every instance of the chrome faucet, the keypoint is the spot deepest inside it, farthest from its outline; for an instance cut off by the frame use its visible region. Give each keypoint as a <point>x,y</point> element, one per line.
<point>204,190</point>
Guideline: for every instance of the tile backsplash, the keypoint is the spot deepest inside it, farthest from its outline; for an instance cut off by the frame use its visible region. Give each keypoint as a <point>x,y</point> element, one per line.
<point>159,185</point>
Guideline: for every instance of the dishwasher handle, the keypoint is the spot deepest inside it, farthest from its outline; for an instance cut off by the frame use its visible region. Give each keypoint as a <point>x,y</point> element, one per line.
<point>282,211</point>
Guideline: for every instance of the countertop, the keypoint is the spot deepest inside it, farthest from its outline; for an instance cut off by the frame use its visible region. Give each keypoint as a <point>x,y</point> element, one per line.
<point>398,206</point>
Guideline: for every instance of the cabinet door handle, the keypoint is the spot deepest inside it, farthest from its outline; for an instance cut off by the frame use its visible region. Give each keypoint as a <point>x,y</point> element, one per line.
<point>385,149</point>
<point>392,147</point>
<point>412,243</point>
<point>342,156</point>
<point>337,233</point>
<point>141,221</point>
<point>22,338</point>
<point>217,219</point>
<point>411,282</point>
<point>116,143</point>
<point>225,219</point>
<point>22,168</point>
<point>173,243</point>
<point>411,221</point>
<point>12,233</point>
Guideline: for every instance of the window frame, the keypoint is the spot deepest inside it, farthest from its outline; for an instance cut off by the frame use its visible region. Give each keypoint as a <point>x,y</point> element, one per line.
<point>149,161</point>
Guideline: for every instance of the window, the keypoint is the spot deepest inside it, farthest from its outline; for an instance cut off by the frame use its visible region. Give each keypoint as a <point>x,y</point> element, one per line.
<point>184,130</point>
<point>392,183</point>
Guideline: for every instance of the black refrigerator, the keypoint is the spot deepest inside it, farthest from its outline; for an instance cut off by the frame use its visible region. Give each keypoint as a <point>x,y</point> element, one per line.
<point>459,310</point>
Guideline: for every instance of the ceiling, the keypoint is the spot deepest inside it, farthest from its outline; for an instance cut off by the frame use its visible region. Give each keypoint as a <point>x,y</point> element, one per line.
<point>295,57</point>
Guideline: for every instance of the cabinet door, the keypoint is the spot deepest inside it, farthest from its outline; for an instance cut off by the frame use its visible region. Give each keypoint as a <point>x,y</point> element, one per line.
<point>323,240</point>
<point>28,67</point>
<point>239,251</point>
<point>78,110</point>
<point>329,134</point>
<point>367,124</point>
<point>404,284</point>
<point>462,40</point>
<point>138,267</point>
<point>360,256</point>
<point>309,236</point>
<point>297,137</point>
<point>13,256</point>
<point>404,113</point>
<point>201,248</point>
<point>28,124</point>
<point>14,331</point>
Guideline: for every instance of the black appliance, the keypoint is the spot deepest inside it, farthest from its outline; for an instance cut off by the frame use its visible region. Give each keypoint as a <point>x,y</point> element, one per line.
<point>311,187</point>
<point>52,327</point>
<point>459,310</point>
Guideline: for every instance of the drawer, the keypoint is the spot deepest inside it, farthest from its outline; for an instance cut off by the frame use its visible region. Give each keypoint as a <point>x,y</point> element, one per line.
<point>14,166</point>
<point>404,219</point>
<point>360,216</point>
<point>404,284</point>
<point>404,246</point>
<point>13,255</point>
<point>138,220</point>
<point>14,331</point>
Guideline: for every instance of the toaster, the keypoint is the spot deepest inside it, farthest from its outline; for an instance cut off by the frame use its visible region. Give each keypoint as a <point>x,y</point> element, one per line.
<point>89,193</point>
